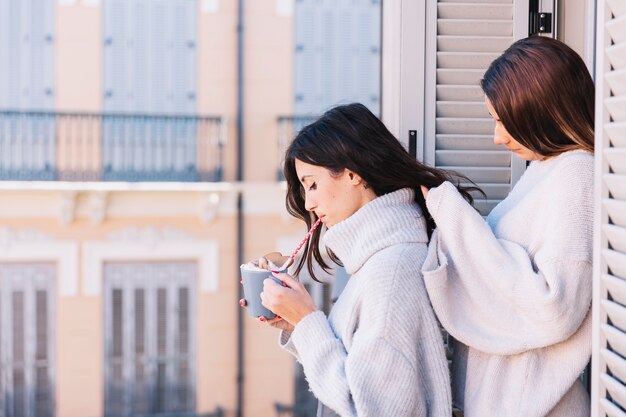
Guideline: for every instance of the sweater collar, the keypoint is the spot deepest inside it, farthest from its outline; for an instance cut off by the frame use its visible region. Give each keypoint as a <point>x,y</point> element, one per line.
<point>387,220</point>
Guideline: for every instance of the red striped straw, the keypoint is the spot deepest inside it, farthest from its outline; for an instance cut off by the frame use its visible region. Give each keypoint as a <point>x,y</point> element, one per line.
<point>295,252</point>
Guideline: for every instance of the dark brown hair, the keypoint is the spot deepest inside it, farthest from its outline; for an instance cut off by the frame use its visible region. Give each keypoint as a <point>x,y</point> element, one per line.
<point>351,137</point>
<point>543,94</point>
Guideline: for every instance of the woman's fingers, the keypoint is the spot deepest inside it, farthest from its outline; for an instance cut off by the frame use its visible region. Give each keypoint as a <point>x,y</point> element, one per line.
<point>286,279</point>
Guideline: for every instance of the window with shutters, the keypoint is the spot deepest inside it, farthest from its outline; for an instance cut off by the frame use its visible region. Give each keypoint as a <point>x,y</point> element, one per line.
<point>27,85</point>
<point>337,54</point>
<point>149,338</point>
<point>149,58</point>
<point>609,346</point>
<point>27,340</point>
<point>458,130</point>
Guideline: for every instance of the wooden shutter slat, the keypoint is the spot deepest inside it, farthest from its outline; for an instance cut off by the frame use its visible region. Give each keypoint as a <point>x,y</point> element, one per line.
<point>484,174</point>
<point>478,1</point>
<point>615,363</point>
<point>616,185</point>
<point>467,27</point>
<point>452,43</point>
<point>617,133</point>
<point>616,210</point>
<point>616,236</point>
<point>465,141</point>
<point>470,60</point>
<point>472,126</point>
<point>461,109</point>
<point>616,287</point>
<point>617,56</point>
<point>616,389</point>
<point>617,340</point>
<point>617,265</point>
<point>616,313</point>
<point>617,107</point>
<point>475,11</point>
<point>473,158</point>
<point>459,93</point>
<point>611,409</point>
<point>459,76</point>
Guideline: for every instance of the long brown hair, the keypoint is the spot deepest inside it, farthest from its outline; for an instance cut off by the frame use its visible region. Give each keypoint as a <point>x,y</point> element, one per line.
<point>351,137</point>
<point>543,94</point>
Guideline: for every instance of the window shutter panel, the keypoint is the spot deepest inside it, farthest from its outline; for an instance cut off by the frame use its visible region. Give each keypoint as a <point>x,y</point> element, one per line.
<point>114,57</point>
<point>339,63</point>
<point>43,400</point>
<point>469,35</point>
<point>609,392</point>
<point>307,56</point>
<point>18,355</point>
<point>150,306</point>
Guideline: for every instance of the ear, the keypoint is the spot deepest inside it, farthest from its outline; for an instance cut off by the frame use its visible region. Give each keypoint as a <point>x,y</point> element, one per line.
<point>355,179</point>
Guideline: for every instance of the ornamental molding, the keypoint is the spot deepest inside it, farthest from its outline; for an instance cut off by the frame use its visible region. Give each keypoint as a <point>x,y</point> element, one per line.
<point>150,235</point>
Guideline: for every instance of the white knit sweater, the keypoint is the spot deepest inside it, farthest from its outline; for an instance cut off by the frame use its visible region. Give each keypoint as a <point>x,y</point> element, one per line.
<point>380,352</point>
<point>516,290</point>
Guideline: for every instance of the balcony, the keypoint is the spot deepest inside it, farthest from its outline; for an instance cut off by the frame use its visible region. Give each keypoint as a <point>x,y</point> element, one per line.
<point>57,146</point>
<point>288,128</point>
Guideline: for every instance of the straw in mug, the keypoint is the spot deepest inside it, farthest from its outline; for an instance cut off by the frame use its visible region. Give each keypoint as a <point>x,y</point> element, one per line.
<point>304,240</point>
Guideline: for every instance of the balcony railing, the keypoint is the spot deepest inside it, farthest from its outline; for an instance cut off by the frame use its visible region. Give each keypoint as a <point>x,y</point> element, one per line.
<point>110,147</point>
<point>288,128</point>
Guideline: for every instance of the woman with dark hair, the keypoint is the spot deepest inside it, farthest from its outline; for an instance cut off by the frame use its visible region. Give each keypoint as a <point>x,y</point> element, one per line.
<point>515,290</point>
<point>380,351</point>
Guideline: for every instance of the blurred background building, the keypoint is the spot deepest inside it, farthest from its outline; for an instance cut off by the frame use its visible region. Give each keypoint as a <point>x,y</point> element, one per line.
<point>140,164</point>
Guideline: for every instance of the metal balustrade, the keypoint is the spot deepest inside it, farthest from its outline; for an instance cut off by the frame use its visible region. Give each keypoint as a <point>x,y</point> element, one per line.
<point>63,146</point>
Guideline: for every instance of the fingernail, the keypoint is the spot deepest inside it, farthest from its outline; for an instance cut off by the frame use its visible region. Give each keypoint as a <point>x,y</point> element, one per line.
<point>262,318</point>
<point>243,302</point>
<point>278,317</point>
<point>241,280</point>
<point>275,272</point>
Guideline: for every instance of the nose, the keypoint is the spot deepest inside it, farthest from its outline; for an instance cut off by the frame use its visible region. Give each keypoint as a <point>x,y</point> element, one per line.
<point>499,135</point>
<point>309,203</point>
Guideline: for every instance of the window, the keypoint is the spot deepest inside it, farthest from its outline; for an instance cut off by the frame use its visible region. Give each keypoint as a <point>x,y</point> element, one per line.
<point>26,340</point>
<point>337,54</point>
<point>149,67</point>
<point>149,338</point>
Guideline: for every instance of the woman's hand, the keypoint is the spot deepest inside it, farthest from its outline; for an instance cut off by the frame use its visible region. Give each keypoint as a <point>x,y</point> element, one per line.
<point>280,323</point>
<point>291,301</point>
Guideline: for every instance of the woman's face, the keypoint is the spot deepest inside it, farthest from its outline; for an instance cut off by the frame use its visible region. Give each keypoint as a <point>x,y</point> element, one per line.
<point>502,137</point>
<point>332,197</point>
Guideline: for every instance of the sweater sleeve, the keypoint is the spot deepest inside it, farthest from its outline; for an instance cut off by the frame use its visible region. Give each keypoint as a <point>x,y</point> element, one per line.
<point>285,341</point>
<point>374,379</point>
<point>492,294</point>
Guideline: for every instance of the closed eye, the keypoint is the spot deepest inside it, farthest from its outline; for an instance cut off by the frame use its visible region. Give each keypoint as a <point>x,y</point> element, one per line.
<point>313,187</point>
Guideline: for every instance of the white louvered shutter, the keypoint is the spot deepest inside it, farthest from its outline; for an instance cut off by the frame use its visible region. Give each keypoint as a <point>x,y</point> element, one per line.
<point>150,56</point>
<point>337,54</point>
<point>149,338</point>
<point>609,345</point>
<point>468,36</point>
<point>26,340</point>
<point>26,54</point>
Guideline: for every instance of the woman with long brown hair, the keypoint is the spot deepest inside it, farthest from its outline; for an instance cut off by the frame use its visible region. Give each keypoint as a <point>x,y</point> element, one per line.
<point>515,290</point>
<point>380,351</point>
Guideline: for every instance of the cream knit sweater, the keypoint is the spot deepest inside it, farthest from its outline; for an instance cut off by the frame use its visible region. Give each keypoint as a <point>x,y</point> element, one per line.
<point>515,291</point>
<point>380,352</point>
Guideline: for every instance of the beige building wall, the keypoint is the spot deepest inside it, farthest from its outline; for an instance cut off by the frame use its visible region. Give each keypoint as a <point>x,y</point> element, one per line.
<point>67,215</point>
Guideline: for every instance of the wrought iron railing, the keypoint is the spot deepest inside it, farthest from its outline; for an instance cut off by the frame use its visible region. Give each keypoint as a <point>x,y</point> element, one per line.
<point>288,128</point>
<point>110,147</point>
